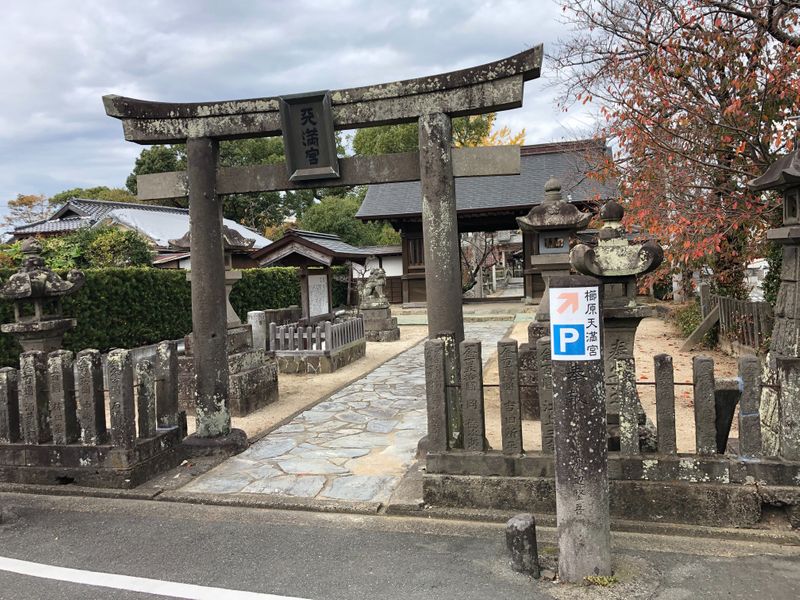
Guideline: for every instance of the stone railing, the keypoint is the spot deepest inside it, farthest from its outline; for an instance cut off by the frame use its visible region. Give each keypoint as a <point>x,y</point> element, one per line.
<point>712,485</point>
<point>54,410</point>
<point>319,349</point>
<point>324,337</point>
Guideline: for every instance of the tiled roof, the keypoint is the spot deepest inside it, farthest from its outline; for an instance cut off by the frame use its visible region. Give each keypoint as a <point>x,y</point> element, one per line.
<point>329,241</point>
<point>158,223</point>
<point>568,161</point>
<point>382,250</point>
<point>98,209</point>
<point>69,224</point>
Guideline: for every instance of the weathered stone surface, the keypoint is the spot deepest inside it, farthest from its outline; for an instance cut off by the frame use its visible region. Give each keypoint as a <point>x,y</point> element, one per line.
<point>510,418</point>
<point>436,394</point>
<point>253,381</point>
<point>528,382</point>
<point>521,544</point>
<point>9,406</point>
<point>712,505</point>
<point>749,422</point>
<point>209,303</point>
<point>61,389</point>
<point>704,405</point>
<point>146,398</point>
<point>166,374</point>
<point>440,227</point>
<point>789,378</point>
<point>120,393</point>
<point>665,403</point>
<point>389,335</point>
<point>314,362</point>
<point>545,383</point>
<point>472,396</point>
<point>34,401</point>
<point>90,397</point>
<point>581,460</point>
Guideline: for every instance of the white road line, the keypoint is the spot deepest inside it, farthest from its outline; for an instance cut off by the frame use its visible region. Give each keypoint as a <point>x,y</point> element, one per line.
<point>170,589</point>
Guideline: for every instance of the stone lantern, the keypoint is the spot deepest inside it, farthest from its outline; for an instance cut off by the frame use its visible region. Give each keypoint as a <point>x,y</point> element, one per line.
<point>554,221</point>
<point>232,241</point>
<point>617,262</point>
<point>36,292</point>
<point>780,412</point>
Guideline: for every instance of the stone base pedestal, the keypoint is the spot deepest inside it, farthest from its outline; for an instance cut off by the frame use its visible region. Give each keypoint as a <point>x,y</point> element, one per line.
<point>380,325</point>
<point>227,445</point>
<point>253,382</point>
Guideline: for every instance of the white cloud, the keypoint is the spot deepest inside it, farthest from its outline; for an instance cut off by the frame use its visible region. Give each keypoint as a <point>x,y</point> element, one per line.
<point>60,58</point>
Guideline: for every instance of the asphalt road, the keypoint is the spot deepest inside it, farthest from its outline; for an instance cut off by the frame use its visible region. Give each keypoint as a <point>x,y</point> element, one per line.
<point>319,556</point>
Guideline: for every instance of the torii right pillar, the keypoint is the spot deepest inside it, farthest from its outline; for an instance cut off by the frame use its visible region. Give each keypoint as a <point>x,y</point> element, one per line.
<point>617,263</point>
<point>780,399</point>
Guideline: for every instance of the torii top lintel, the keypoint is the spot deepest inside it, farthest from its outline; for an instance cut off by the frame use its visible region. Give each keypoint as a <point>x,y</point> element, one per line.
<point>491,87</point>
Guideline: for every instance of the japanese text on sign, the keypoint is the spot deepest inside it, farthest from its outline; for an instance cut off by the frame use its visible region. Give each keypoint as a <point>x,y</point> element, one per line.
<point>575,322</point>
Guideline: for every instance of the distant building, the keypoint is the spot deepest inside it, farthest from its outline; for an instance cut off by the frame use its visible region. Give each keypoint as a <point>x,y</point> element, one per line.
<point>488,204</point>
<point>158,224</point>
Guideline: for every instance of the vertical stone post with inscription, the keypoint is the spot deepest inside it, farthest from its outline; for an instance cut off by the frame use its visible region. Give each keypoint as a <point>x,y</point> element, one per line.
<point>579,424</point>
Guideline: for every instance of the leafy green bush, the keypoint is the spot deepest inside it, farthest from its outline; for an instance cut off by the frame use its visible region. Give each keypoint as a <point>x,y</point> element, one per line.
<point>130,307</point>
<point>688,317</point>
<point>260,289</point>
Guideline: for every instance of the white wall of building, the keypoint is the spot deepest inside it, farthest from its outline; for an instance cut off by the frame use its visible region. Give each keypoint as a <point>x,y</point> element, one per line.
<point>392,264</point>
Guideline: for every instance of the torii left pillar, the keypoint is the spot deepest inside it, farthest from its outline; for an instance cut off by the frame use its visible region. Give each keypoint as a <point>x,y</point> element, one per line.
<point>209,304</point>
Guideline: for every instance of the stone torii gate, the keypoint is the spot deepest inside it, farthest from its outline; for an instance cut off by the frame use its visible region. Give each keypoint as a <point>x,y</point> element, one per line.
<point>311,162</point>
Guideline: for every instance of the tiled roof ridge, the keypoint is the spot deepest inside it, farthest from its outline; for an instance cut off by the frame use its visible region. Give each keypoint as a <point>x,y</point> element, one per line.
<point>570,146</point>
<point>116,205</point>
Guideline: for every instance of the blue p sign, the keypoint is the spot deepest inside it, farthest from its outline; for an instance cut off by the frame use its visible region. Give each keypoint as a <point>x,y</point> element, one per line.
<point>569,340</point>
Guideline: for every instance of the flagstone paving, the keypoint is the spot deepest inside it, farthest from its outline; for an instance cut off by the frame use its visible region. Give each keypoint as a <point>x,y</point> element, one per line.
<point>355,446</point>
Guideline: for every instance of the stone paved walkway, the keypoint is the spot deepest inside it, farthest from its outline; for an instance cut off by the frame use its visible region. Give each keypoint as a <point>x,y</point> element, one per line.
<point>355,446</point>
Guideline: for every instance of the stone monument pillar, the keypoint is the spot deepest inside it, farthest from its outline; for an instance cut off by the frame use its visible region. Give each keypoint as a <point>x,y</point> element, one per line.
<point>780,409</point>
<point>551,223</point>
<point>36,292</point>
<point>379,325</point>
<point>617,263</point>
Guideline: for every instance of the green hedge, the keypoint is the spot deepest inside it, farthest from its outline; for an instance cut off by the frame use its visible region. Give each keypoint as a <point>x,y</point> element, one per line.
<point>129,307</point>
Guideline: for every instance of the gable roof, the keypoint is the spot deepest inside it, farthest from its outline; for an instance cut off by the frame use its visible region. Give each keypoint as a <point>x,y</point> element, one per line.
<point>569,161</point>
<point>157,223</point>
<point>324,248</point>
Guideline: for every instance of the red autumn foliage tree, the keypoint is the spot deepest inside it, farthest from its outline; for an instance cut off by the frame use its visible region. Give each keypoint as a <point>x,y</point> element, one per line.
<point>697,99</point>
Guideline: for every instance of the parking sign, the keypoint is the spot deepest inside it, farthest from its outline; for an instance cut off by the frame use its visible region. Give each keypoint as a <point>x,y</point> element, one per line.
<point>575,323</point>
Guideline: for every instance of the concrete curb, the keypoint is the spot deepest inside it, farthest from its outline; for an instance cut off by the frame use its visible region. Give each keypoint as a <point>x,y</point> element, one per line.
<point>790,538</point>
<point>398,510</point>
<point>273,501</point>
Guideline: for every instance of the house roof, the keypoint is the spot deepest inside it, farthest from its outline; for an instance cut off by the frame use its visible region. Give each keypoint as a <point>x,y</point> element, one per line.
<point>157,223</point>
<point>320,248</point>
<point>569,161</point>
<point>58,226</point>
<point>382,250</point>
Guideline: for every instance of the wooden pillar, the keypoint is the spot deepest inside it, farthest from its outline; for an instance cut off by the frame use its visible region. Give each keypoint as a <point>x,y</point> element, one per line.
<point>209,305</point>
<point>440,227</point>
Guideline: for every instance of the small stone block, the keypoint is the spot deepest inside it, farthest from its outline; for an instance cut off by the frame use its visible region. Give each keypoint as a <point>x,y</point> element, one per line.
<point>521,543</point>
<point>9,406</point>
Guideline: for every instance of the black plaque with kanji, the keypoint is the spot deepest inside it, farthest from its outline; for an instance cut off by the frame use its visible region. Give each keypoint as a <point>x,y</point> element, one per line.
<point>308,136</point>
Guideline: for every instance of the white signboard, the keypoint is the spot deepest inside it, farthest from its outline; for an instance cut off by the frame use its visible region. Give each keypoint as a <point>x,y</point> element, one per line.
<point>575,323</point>
<point>318,295</point>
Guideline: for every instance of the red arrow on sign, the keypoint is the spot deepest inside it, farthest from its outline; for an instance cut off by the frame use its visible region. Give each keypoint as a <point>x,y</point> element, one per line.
<point>571,300</point>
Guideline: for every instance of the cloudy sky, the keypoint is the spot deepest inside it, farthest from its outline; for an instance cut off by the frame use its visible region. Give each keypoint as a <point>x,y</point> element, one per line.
<point>60,57</point>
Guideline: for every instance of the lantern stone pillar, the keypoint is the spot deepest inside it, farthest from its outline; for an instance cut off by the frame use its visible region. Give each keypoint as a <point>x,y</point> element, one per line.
<point>617,263</point>
<point>546,231</point>
<point>780,408</point>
